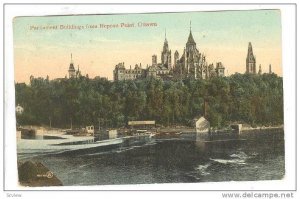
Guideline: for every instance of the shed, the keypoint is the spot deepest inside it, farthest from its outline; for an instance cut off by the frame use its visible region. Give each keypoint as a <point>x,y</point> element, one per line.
<point>202,125</point>
<point>142,124</point>
<point>237,127</point>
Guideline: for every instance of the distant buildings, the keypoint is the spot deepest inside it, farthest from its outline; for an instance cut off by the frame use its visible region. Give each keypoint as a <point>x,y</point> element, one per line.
<point>121,73</point>
<point>251,62</point>
<point>72,72</point>
<point>191,64</point>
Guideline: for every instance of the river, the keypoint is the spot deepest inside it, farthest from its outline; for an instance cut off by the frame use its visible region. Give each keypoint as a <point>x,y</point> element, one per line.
<point>258,157</point>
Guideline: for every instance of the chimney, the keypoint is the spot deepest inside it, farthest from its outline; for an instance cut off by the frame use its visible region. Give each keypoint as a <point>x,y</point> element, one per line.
<point>205,108</point>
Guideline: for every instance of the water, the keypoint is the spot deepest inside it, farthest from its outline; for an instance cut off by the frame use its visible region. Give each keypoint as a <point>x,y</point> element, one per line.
<point>255,157</point>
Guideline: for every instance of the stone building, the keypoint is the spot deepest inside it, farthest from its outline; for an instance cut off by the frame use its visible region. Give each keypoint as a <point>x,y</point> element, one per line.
<point>250,60</point>
<point>121,73</point>
<point>251,63</point>
<point>164,68</point>
<point>155,70</point>
<point>191,64</point>
<point>166,55</point>
<point>220,69</point>
<point>72,72</point>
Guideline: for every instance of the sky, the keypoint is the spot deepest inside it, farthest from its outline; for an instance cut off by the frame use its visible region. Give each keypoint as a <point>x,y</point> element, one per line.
<point>43,45</point>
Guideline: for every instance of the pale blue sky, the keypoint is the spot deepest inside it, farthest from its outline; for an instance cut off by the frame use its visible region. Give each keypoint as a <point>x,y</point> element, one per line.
<point>222,36</point>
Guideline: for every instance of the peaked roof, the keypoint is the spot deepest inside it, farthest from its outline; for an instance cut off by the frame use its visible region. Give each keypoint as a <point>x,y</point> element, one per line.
<point>71,67</point>
<point>191,39</point>
<point>250,55</point>
<point>166,46</point>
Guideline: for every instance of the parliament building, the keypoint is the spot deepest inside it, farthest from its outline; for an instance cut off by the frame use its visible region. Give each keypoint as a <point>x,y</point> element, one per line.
<point>191,64</point>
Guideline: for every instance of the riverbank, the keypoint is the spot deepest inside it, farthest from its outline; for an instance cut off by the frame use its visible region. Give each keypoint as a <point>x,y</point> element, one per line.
<point>51,141</point>
<point>175,160</point>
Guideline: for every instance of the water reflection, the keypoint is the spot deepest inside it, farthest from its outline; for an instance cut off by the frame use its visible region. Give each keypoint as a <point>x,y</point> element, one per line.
<point>144,160</point>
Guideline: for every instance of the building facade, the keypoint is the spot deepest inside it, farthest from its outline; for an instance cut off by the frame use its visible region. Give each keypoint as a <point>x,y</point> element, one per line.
<point>191,64</point>
<point>220,69</point>
<point>121,73</point>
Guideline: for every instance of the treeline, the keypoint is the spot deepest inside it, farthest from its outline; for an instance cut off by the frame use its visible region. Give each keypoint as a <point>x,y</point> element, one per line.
<point>251,99</point>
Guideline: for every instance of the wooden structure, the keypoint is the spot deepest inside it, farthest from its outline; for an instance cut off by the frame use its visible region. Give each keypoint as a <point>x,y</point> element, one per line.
<point>149,124</point>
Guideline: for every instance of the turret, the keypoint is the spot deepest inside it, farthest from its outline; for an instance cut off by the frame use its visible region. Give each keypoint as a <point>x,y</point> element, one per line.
<point>176,57</point>
<point>220,69</point>
<point>154,60</point>
<point>71,70</point>
<point>166,54</point>
<point>259,70</point>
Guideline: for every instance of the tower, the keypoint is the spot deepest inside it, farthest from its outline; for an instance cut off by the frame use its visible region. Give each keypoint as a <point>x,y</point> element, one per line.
<point>78,73</point>
<point>166,54</point>
<point>176,57</point>
<point>71,70</point>
<point>220,69</point>
<point>270,69</point>
<point>190,44</point>
<point>192,56</point>
<point>250,61</point>
<point>154,60</point>
<point>259,71</point>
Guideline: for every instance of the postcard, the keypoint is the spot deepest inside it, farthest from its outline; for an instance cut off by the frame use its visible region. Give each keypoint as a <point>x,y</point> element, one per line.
<point>118,99</point>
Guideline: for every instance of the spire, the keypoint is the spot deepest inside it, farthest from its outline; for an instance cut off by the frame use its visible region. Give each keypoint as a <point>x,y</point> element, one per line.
<point>166,41</point>
<point>250,60</point>
<point>250,55</point>
<point>250,46</point>
<point>71,68</point>
<point>166,45</point>
<point>250,50</point>
<point>71,58</point>
<point>191,40</point>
